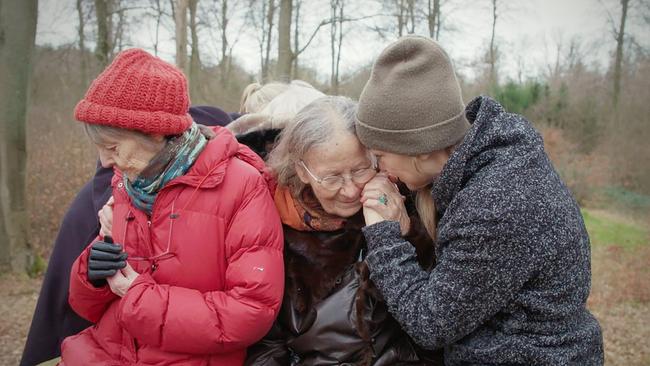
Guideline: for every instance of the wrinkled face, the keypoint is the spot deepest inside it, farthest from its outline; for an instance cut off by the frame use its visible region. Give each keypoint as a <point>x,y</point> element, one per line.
<point>342,156</point>
<point>128,154</point>
<point>414,171</point>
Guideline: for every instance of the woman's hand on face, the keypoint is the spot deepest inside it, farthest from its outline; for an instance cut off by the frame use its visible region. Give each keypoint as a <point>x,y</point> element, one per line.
<point>106,218</point>
<point>122,280</point>
<point>382,201</point>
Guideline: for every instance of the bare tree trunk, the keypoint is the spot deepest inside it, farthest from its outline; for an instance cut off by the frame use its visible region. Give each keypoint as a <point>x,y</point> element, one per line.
<point>400,17</point>
<point>119,30</point>
<point>296,39</point>
<point>433,18</point>
<point>336,41</point>
<point>269,19</point>
<point>620,40</point>
<point>82,43</point>
<point>492,56</point>
<point>102,51</point>
<point>223,64</point>
<point>339,47</point>
<point>18,31</point>
<point>181,34</point>
<point>411,12</point>
<point>172,4</point>
<point>159,14</point>
<point>333,29</point>
<point>262,41</point>
<point>195,59</point>
<point>285,55</point>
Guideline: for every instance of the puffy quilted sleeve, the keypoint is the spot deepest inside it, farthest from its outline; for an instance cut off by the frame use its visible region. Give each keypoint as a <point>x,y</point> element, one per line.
<point>88,301</point>
<point>187,321</point>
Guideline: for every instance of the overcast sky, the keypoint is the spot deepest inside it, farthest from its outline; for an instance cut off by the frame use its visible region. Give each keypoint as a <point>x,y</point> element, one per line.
<point>527,33</point>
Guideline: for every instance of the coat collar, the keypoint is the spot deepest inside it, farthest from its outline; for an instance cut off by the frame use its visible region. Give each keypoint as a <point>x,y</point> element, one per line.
<point>209,168</point>
<point>493,130</point>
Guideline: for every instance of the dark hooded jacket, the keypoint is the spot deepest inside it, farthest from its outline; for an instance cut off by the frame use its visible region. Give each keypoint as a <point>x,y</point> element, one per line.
<point>53,318</point>
<point>513,256</point>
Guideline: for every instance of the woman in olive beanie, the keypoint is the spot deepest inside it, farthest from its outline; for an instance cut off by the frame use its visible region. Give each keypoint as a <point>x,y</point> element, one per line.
<point>513,257</point>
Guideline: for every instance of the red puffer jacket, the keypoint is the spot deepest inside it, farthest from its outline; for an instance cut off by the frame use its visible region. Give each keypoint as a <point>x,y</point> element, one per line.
<point>210,263</point>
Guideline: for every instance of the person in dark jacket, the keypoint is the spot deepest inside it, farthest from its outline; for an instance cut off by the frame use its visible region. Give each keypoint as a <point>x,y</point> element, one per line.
<point>331,313</point>
<point>53,318</point>
<point>513,257</point>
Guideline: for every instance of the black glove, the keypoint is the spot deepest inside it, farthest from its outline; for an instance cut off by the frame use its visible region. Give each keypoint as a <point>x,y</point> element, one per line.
<point>106,258</point>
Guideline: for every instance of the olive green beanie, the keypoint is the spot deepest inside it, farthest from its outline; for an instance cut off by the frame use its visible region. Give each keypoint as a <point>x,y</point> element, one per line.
<point>412,103</point>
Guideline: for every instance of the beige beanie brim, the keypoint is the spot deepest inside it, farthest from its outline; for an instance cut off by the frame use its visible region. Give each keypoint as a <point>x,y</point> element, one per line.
<point>412,103</point>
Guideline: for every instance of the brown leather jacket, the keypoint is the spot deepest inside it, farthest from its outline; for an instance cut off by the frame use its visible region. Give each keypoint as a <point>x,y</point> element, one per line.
<point>327,291</point>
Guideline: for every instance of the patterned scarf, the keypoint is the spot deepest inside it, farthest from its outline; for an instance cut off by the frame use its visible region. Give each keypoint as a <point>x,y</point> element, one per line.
<point>304,213</point>
<point>174,160</point>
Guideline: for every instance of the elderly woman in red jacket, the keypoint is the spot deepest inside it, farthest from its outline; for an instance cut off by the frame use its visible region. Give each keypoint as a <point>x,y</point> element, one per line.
<point>191,274</point>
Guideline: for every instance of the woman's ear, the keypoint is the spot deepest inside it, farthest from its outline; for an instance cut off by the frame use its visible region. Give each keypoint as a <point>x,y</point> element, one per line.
<point>302,174</point>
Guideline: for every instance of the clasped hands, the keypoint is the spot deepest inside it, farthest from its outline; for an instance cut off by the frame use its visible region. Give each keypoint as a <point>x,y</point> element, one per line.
<point>107,260</point>
<point>382,201</point>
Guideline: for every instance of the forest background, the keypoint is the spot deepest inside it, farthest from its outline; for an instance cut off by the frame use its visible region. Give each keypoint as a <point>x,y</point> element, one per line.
<point>579,71</point>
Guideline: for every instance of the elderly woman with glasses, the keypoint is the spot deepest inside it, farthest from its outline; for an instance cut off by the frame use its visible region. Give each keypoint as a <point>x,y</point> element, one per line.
<point>331,313</point>
<point>189,275</point>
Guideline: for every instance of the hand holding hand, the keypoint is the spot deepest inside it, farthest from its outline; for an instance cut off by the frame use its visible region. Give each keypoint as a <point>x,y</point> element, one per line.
<point>106,218</point>
<point>122,280</point>
<point>105,260</point>
<point>382,200</point>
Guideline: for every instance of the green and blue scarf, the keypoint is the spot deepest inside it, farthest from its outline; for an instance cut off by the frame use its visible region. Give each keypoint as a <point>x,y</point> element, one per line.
<point>173,161</point>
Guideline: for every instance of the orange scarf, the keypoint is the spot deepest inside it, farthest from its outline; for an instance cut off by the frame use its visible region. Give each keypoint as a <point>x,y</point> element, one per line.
<point>304,213</point>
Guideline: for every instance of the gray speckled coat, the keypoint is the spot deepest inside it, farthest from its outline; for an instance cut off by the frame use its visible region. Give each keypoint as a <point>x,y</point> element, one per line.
<point>513,271</point>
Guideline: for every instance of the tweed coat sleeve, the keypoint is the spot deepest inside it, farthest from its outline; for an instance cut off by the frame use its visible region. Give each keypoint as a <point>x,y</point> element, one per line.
<point>476,275</point>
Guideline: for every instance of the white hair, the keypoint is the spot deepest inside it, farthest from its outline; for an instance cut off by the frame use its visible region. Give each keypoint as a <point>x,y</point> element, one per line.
<point>316,124</point>
<point>103,135</point>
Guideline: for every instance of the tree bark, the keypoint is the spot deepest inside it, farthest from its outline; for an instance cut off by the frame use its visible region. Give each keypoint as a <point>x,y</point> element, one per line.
<point>269,36</point>
<point>336,42</point>
<point>400,17</point>
<point>17,34</point>
<point>102,51</point>
<point>492,55</point>
<point>181,34</point>
<point>159,14</point>
<point>195,60</point>
<point>285,55</point>
<point>618,62</point>
<point>82,44</point>
<point>223,63</point>
<point>296,40</point>
<point>411,14</point>
<point>433,18</point>
<point>118,39</point>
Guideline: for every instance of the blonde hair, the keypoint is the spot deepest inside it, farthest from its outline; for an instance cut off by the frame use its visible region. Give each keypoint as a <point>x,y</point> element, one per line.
<point>314,125</point>
<point>272,105</point>
<point>426,208</point>
<point>425,204</point>
<point>256,96</point>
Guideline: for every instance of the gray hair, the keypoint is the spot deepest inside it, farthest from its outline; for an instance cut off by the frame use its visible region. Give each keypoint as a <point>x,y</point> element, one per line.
<point>313,126</point>
<point>103,135</point>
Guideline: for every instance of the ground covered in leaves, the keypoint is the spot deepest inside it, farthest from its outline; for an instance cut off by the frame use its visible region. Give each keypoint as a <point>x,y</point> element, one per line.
<point>620,296</point>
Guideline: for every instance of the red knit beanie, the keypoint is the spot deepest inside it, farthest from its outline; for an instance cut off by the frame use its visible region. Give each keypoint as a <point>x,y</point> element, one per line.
<point>138,91</point>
